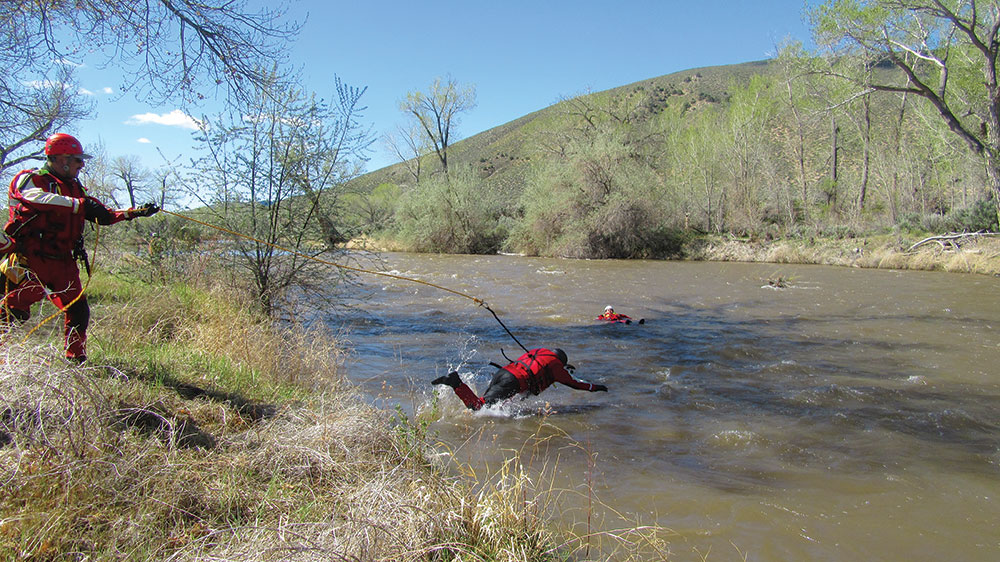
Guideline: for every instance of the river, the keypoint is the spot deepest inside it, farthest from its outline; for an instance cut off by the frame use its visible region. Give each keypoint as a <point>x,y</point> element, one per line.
<point>848,415</point>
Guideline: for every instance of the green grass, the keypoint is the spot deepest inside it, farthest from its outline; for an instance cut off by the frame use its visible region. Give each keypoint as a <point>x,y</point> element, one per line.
<point>198,430</point>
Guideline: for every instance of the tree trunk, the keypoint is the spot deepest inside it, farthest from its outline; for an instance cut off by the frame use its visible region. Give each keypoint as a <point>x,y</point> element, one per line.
<point>993,173</point>
<point>834,171</point>
<point>866,158</point>
<point>898,149</point>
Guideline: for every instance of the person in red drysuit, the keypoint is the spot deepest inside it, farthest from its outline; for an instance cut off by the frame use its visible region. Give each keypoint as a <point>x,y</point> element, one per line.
<point>48,207</point>
<point>532,372</point>
<point>610,316</point>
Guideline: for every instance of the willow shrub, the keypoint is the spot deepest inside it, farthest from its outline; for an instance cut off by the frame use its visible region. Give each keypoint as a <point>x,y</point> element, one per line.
<point>454,213</point>
<point>599,202</point>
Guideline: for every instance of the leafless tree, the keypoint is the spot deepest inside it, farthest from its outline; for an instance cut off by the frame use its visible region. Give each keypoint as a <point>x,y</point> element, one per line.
<point>275,171</point>
<point>133,175</point>
<point>167,47</point>
<point>30,111</point>
<point>164,184</point>
<point>409,146</point>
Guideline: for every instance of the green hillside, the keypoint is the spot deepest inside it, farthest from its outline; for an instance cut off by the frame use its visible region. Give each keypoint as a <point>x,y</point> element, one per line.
<point>783,148</point>
<point>501,154</point>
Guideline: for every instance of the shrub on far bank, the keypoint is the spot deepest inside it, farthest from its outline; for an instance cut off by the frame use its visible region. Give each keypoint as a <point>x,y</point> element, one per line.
<point>980,216</point>
<point>453,214</point>
<point>599,202</point>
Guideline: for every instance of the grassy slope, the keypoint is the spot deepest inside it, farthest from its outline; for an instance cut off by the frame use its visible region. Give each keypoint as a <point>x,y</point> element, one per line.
<point>504,153</point>
<point>194,431</point>
<point>198,431</point>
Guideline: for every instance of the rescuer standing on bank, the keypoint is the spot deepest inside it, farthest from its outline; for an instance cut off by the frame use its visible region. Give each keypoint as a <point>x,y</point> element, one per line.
<point>44,234</point>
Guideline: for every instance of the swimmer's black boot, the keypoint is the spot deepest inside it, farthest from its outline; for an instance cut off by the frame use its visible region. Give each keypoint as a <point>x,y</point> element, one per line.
<point>451,380</point>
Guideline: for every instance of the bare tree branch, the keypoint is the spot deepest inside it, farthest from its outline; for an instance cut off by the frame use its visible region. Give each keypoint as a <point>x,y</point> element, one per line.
<point>171,48</point>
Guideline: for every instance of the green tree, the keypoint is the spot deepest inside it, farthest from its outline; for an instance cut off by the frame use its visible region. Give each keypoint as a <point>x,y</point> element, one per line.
<point>453,214</point>
<point>947,52</point>
<point>697,148</point>
<point>749,154</point>
<point>797,80</point>
<point>602,193</point>
<point>437,112</point>
<point>373,211</point>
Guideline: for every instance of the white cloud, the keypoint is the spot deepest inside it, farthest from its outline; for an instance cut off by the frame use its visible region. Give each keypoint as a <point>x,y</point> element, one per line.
<point>175,118</point>
<point>143,140</point>
<point>86,92</point>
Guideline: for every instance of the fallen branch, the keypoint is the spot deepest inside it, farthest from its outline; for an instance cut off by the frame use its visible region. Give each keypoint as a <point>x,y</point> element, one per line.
<point>954,240</point>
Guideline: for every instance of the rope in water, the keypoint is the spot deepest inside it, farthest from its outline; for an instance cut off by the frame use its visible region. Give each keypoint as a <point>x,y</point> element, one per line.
<point>476,300</point>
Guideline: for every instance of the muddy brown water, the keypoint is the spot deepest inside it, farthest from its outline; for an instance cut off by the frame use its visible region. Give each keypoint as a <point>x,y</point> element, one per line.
<point>851,415</point>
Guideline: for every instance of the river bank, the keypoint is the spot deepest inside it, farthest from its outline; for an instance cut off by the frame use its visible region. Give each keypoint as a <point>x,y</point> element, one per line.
<point>974,254</point>
<point>979,254</point>
<point>198,429</point>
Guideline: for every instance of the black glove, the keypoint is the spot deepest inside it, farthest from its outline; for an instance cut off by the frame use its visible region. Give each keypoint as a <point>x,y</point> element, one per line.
<point>598,388</point>
<point>96,212</point>
<point>147,210</point>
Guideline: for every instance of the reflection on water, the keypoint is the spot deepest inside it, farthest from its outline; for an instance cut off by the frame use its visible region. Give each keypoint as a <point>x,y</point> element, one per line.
<point>851,415</point>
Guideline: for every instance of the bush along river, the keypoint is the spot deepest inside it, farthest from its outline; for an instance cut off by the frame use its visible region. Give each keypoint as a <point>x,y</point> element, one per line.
<point>772,412</point>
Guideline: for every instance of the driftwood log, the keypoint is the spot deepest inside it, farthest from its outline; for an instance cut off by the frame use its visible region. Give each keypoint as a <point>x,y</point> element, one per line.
<point>952,241</point>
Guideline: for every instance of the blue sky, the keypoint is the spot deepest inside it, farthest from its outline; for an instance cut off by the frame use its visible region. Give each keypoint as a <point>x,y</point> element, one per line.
<point>521,56</point>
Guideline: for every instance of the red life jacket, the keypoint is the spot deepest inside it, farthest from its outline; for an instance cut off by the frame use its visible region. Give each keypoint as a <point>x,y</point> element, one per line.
<point>46,213</point>
<point>535,370</point>
<point>613,317</point>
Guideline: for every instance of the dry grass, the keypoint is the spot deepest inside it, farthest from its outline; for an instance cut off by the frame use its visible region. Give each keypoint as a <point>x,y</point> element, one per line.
<point>197,433</point>
<point>567,523</point>
<point>980,256</point>
<point>85,474</point>
<point>327,479</point>
<point>370,243</point>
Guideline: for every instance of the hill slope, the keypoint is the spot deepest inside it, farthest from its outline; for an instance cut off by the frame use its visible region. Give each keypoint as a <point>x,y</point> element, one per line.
<point>503,153</point>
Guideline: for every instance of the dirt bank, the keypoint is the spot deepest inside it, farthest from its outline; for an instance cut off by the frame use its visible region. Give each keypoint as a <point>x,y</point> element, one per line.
<point>975,254</point>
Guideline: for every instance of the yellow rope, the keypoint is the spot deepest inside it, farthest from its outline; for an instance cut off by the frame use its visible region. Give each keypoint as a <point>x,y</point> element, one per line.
<point>83,290</point>
<point>341,266</point>
<point>62,310</point>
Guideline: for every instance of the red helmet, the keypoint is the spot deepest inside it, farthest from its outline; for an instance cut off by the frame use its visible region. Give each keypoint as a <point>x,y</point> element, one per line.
<point>61,143</point>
